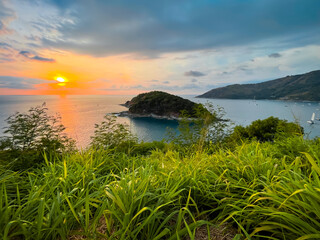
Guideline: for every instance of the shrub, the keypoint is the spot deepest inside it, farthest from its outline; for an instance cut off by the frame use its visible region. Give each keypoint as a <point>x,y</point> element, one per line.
<point>146,148</point>
<point>35,130</point>
<point>29,135</point>
<point>208,128</point>
<point>109,133</point>
<point>266,130</point>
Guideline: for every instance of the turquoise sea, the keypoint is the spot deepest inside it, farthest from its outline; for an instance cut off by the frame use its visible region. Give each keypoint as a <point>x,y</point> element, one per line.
<point>80,113</point>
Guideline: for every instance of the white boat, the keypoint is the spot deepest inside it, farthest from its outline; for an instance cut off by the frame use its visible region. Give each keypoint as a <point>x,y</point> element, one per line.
<point>311,121</point>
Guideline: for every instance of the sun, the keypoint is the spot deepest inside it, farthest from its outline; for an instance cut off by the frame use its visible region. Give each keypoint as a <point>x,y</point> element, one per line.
<point>60,79</point>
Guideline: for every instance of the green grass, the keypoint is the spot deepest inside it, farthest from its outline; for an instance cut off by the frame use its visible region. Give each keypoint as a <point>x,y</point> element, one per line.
<point>265,190</point>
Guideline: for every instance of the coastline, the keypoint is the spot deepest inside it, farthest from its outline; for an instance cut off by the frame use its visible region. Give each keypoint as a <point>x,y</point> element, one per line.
<point>150,115</point>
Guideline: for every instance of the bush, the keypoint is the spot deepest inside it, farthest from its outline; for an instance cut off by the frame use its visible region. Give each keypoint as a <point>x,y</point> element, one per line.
<point>266,130</point>
<point>109,133</point>
<point>208,128</point>
<point>146,148</point>
<point>29,135</point>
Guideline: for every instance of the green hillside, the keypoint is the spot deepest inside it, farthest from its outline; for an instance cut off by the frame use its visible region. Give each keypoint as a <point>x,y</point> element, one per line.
<point>298,87</point>
<point>162,104</point>
<point>260,182</point>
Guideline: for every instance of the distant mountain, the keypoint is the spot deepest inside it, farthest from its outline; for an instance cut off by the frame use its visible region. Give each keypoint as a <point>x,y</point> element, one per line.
<point>298,87</point>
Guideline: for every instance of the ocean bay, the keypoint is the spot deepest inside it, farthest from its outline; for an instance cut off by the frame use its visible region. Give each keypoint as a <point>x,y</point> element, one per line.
<point>80,113</point>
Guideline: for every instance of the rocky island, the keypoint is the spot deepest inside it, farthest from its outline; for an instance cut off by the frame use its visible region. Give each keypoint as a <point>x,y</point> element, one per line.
<point>296,87</point>
<point>159,104</point>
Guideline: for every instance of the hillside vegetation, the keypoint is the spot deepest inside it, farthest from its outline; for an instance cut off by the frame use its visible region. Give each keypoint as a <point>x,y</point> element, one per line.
<point>262,184</point>
<point>298,87</point>
<point>163,104</point>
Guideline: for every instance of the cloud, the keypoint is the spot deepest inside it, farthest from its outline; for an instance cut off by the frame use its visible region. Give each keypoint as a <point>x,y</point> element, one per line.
<point>4,59</point>
<point>7,52</point>
<point>292,61</point>
<point>185,57</point>
<point>187,88</point>
<point>156,27</point>
<point>151,87</point>
<point>31,56</point>
<point>6,15</point>
<point>6,56</point>
<point>218,38</point>
<point>166,82</point>
<point>18,82</point>
<point>275,55</point>
<point>194,74</point>
<point>4,45</point>
<point>25,54</point>
<point>42,59</point>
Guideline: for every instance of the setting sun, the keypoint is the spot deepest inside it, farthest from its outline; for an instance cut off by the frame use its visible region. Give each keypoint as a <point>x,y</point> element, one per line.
<point>60,79</point>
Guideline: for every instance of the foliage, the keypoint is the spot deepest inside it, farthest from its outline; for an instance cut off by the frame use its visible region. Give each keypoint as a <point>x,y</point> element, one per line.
<point>109,134</point>
<point>266,130</point>
<point>35,130</point>
<point>163,104</point>
<point>29,135</point>
<point>297,87</point>
<point>123,189</point>
<point>208,128</point>
<point>117,137</point>
<point>18,160</point>
<point>89,189</point>
<point>141,148</point>
<point>103,194</point>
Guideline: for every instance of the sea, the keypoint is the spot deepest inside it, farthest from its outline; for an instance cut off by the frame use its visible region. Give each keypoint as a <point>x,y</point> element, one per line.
<point>80,113</point>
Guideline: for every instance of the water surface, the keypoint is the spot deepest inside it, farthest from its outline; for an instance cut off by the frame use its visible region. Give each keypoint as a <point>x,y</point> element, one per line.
<point>80,113</point>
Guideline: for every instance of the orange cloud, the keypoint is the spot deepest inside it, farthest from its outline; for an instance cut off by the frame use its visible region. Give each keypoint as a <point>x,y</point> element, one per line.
<point>84,74</point>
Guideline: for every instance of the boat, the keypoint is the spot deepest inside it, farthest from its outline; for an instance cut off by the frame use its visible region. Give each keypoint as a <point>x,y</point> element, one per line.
<point>311,121</point>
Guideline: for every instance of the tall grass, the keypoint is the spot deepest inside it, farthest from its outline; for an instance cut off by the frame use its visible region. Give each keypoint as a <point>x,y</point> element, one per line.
<point>265,190</point>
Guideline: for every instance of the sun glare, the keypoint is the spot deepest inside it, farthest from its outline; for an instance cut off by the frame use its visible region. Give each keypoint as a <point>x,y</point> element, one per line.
<point>60,79</point>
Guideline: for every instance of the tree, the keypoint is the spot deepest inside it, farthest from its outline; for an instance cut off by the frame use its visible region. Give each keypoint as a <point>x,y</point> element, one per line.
<point>35,130</point>
<point>30,135</point>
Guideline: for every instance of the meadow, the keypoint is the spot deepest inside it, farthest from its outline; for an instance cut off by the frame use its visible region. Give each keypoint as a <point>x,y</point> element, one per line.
<point>252,188</point>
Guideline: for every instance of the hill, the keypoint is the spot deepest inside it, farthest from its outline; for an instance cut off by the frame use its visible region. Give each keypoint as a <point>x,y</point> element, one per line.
<point>162,104</point>
<point>298,87</point>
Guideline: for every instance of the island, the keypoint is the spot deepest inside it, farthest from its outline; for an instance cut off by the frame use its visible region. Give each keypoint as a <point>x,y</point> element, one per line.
<point>160,105</point>
<point>297,87</point>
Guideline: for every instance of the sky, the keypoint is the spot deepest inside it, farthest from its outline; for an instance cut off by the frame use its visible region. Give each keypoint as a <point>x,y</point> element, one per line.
<point>127,47</point>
